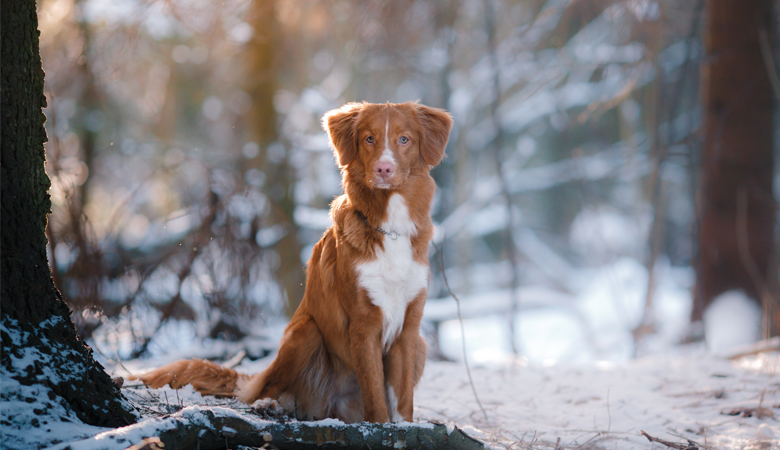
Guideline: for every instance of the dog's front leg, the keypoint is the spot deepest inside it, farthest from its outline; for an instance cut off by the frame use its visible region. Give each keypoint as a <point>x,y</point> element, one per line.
<point>365,336</point>
<point>403,366</point>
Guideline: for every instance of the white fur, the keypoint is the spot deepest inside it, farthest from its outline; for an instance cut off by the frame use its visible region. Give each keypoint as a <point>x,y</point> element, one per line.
<point>387,154</point>
<point>268,405</point>
<point>387,135</point>
<point>394,278</point>
<point>395,416</point>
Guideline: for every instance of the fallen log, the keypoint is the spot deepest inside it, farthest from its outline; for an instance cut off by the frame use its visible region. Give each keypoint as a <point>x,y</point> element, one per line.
<point>214,428</point>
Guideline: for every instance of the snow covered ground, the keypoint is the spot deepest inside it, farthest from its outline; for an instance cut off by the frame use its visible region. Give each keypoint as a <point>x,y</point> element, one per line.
<point>606,405</point>
<point>577,385</point>
<point>687,394</point>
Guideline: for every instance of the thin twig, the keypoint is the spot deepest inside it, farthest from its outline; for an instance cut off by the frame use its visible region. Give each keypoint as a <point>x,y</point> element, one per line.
<point>763,346</point>
<point>691,445</point>
<point>609,414</point>
<point>704,446</point>
<point>440,252</point>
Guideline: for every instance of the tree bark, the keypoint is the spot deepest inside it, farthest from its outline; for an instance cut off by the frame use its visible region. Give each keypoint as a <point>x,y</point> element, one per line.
<point>736,204</point>
<point>34,319</point>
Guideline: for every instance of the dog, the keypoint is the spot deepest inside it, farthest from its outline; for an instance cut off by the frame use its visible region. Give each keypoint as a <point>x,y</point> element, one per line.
<point>353,350</point>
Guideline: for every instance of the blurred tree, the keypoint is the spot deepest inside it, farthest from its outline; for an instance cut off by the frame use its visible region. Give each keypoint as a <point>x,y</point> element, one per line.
<point>89,100</point>
<point>508,249</point>
<point>261,125</point>
<point>80,285</point>
<point>33,313</point>
<point>87,270</point>
<point>737,207</point>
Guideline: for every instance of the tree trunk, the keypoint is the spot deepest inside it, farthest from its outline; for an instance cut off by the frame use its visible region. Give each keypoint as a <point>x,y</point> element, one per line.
<point>260,76</point>
<point>737,207</point>
<point>40,345</point>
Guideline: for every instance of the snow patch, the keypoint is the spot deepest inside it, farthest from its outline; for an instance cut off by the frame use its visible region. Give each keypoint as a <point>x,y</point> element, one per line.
<point>601,232</point>
<point>37,423</point>
<point>32,416</point>
<point>325,423</point>
<point>731,320</point>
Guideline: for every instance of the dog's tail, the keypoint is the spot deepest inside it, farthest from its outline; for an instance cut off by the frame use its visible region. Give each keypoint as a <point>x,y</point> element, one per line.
<point>206,377</point>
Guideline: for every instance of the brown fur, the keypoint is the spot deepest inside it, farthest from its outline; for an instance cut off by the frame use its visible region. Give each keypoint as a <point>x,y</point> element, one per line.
<point>206,377</point>
<point>331,362</point>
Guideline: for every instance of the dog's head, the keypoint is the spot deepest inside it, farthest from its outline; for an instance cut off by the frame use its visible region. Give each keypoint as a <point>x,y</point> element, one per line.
<point>381,144</point>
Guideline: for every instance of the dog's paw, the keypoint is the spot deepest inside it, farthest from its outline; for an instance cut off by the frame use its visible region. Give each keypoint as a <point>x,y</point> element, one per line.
<point>267,406</point>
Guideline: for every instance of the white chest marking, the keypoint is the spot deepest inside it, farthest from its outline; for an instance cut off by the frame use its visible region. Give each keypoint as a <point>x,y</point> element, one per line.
<point>394,278</point>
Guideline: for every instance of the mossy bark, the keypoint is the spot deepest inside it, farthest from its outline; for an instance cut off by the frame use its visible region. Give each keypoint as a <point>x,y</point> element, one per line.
<point>33,315</point>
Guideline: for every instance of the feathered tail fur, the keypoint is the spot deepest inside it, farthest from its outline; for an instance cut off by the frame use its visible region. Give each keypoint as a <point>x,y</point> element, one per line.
<point>206,377</point>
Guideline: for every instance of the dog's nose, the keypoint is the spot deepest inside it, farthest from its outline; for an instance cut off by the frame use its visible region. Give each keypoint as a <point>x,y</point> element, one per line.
<point>384,169</point>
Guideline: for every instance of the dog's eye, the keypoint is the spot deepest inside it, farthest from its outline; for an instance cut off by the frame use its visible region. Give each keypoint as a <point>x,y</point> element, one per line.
<point>404,140</point>
<point>370,139</point>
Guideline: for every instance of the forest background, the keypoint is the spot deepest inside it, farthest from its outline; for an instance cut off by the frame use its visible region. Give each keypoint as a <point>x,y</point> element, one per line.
<point>191,177</point>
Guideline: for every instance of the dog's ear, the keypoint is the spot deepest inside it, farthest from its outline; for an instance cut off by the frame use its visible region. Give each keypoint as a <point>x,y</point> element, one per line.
<point>436,124</point>
<point>340,124</point>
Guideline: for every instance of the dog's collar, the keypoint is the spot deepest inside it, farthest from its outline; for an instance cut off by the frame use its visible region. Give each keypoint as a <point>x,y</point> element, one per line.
<point>391,234</point>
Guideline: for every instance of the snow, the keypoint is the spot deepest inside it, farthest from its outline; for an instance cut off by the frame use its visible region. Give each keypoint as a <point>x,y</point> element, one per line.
<point>593,323</point>
<point>606,404</point>
<point>601,232</point>
<point>327,423</point>
<point>576,379</point>
<point>733,319</point>
<point>602,403</point>
<point>683,392</point>
<point>33,415</point>
<point>28,419</point>
<point>30,357</point>
<point>765,432</point>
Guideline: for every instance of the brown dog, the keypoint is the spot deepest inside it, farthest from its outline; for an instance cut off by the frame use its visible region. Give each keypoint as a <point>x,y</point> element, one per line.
<point>352,350</point>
